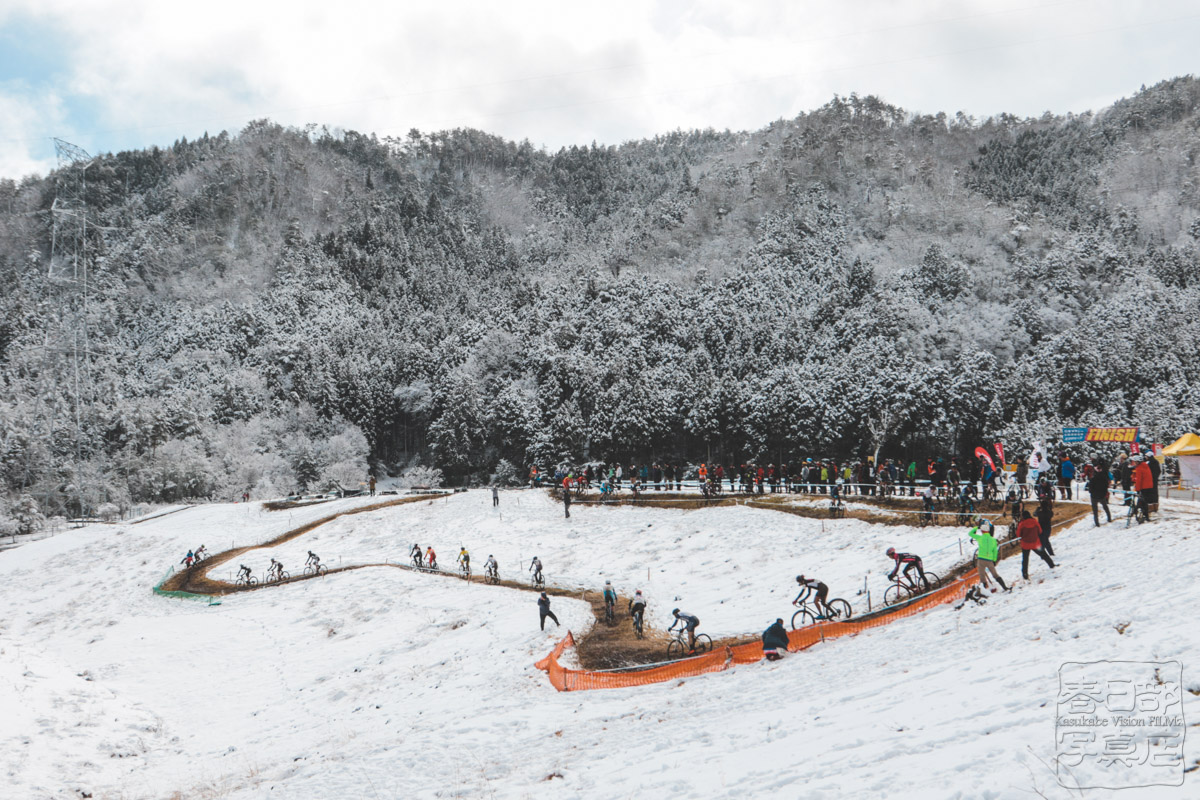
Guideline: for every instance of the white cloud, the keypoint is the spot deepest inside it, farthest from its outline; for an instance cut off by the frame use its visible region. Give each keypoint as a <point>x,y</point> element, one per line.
<point>560,73</point>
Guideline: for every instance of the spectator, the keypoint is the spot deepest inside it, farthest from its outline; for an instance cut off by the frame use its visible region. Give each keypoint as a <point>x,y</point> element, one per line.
<point>495,497</point>
<point>1143,483</point>
<point>1155,472</point>
<point>988,553</point>
<point>566,492</point>
<point>1097,487</point>
<point>775,641</point>
<point>1045,516</point>
<point>1066,476</point>
<point>544,610</point>
<point>1031,541</point>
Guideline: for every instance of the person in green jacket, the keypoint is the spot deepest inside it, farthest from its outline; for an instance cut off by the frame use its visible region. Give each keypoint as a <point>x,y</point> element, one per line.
<point>912,478</point>
<point>988,553</point>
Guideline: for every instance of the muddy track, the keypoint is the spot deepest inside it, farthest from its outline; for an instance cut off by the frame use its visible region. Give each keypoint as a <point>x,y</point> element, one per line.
<point>603,646</point>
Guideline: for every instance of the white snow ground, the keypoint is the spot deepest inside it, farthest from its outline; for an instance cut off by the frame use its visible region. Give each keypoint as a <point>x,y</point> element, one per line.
<point>381,683</point>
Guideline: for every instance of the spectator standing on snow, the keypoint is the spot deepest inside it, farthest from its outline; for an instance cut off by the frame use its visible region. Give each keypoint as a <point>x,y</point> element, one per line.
<point>987,554</point>
<point>1031,541</point>
<point>567,500</point>
<point>1022,476</point>
<point>544,611</point>
<point>1097,487</point>
<point>775,641</point>
<point>1143,483</point>
<point>1045,516</point>
<point>371,484</point>
<point>495,497</point>
<point>1155,472</point>
<point>1066,476</point>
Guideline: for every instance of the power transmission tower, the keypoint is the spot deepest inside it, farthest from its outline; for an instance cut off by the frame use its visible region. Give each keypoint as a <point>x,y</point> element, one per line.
<point>69,262</point>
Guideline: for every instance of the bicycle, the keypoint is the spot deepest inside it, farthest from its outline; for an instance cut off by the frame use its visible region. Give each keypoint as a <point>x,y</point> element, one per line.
<point>1137,511</point>
<point>418,562</point>
<point>539,581</point>
<point>928,516</point>
<point>905,588</point>
<point>276,577</point>
<point>247,580</point>
<point>839,609</point>
<point>492,576</point>
<point>638,623</point>
<point>465,569</point>
<point>837,509</point>
<point>610,614</point>
<point>319,570</point>
<point>678,648</point>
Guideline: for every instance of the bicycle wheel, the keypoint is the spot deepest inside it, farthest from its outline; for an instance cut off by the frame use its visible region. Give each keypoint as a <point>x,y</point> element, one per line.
<point>895,594</point>
<point>637,626</point>
<point>675,649</point>
<point>322,571</point>
<point>839,609</point>
<point>802,618</point>
<point>703,643</point>
<point>286,576</point>
<point>932,582</point>
<point>308,571</point>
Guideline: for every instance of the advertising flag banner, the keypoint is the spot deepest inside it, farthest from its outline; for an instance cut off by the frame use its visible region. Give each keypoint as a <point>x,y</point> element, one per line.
<point>1074,435</point>
<point>1000,452</point>
<point>982,453</point>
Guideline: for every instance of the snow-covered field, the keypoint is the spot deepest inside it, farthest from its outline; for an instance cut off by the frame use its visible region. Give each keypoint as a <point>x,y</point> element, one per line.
<point>381,683</point>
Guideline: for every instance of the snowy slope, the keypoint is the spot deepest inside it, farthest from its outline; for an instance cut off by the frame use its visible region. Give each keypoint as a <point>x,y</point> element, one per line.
<point>384,683</point>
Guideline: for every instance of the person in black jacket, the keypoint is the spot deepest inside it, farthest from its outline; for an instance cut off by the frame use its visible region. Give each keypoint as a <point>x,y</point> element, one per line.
<point>775,641</point>
<point>544,610</point>
<point>1097,487</point>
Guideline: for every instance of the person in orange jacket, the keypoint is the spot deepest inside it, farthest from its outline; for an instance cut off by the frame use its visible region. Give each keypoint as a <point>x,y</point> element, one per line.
<point>1030,532</point>
<point>1143,483</point>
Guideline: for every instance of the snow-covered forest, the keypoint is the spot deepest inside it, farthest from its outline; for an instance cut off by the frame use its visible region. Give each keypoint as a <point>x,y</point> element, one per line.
<point>282,308</point>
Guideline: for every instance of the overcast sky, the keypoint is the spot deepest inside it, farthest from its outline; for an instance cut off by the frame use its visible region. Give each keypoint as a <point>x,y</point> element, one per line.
<point>110,75</point>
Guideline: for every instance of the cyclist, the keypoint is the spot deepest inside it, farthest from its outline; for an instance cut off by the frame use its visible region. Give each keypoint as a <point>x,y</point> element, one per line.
<point>430,557</point>
<point>276,570</point>
<point>464,558</point>
<point>491,567</point>
<point>535,567</point>
<point>835,494</point>
<point>820,592</point>
<point>187,560</point>
<point>909,561</point>
<point>415,553</point>
<point>313,560</point>
<point>610,598</point>
<point>201,552</point>
<point>927,506</point>
<point>637,606</point>
<point>244,573</point>
<point>689,622</point>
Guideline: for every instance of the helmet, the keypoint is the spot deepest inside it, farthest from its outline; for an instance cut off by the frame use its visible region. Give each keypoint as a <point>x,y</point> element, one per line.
<point>675,612</point>
<point>490,555</point>
<point>608,583</point>
<point>799,578</point>
<point>638,591</point>
<point>891,551</point>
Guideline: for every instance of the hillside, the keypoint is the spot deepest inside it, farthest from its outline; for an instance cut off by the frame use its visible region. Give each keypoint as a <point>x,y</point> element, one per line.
<point>280,308</point>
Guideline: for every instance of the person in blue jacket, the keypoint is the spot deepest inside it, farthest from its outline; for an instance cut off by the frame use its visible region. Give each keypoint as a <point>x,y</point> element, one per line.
<point>1066,476</point>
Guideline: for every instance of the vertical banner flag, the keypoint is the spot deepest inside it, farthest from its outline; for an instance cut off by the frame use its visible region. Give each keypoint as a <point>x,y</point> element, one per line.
<point>1000,452</point>
<point>982,453</point>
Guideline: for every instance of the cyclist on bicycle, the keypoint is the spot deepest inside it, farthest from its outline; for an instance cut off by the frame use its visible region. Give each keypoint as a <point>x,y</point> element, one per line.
<point>535,567</point>
<point>244,573</point>
<point>415,553</point>
<point>491,567</point>
<point>689,622</point>
<point>927,506</point>
<point>909,561</point>
<point>187,560</point>
<point>819,591</point>
<point>201,552</point>
<point>276,569</point>
<point>637,606</point>
<point>464,558</point>
<point>313,560</point>
<point>430,557</point>
<point>610,598</point>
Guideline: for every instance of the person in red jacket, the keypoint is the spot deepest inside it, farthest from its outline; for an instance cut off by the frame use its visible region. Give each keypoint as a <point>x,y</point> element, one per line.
<point>1143,483</point>
<point>1031,541</point>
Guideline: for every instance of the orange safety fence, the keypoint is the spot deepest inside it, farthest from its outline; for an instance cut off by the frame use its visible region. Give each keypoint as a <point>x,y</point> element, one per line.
<point>721,658</point>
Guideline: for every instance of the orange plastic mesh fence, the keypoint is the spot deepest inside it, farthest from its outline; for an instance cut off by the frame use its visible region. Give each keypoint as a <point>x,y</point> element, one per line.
<point>721,658</point>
